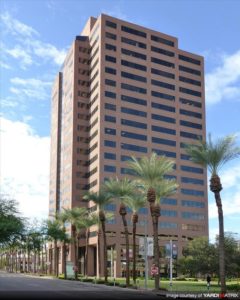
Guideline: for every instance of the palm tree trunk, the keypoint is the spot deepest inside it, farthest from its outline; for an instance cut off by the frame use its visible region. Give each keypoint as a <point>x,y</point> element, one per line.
<point>134,252</point>
<point>43,266</point>
<point>55,258</point>
<point>127,250</point>
<point>216,187</point>
<point>156,250</point>
<point>99,253</point>
<point>28,259</point>
<point>64,267</point>
<point>221,243</point>
<point>86,253</point>
<point>76,256</point>
<point>105,251</point>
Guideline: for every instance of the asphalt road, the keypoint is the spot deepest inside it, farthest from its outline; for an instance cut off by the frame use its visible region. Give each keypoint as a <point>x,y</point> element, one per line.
<point>20,286</point>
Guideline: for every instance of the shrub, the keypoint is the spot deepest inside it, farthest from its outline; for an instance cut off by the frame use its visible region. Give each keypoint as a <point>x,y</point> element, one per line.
<point>100,281</point>
<point>181,279</point>
<point>86,279</point>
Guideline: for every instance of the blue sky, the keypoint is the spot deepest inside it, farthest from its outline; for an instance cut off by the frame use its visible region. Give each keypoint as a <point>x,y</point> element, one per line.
<point>35,35</point>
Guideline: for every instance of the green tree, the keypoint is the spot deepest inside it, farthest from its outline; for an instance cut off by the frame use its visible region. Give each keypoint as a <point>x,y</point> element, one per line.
<point>199,257</point>
<point>135,202</point>
<point>90,220</point>
<point>214,156</point>
<point>150,173</point>
<point>232,254</point>
<point>120,190</point>
<point>101,199</point>
<point>11,224</point>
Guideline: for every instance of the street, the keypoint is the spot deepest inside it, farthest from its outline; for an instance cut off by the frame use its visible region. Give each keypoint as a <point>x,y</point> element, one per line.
<point>20,286</point>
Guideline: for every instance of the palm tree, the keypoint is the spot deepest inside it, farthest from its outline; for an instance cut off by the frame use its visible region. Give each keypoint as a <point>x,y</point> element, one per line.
<point>74,216</point>
<point>150,173</point>
<point>135,202</point>
<point>62,218</point>
<point>90,220</point>
<point>121,189</point>
<point>214,156</point>
<point>101,199</point>
<point>55,233</point>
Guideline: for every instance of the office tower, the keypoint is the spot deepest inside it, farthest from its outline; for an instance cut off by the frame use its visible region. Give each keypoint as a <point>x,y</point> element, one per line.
<point>125,90</point>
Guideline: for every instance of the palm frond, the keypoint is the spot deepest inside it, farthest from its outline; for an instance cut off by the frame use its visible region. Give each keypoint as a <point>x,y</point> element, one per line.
<point>214,155</point>
<point>101,198</point>
<point>119,189</point>
<point>149,170</point>
<point>165,188</point>
<point>135,201</point>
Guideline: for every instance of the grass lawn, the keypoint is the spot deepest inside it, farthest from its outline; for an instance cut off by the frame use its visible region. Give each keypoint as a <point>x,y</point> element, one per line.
<point>186,286</point>
<point>199,286</point>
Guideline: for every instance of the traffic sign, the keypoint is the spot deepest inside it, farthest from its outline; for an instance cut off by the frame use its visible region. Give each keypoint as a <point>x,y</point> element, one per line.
<point>154,270</point>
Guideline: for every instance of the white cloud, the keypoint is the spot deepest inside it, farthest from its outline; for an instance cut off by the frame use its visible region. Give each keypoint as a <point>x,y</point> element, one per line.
<point>212,234</point>
<point>48,51</point>
<point>21,54</point>
<point>224,81</point>
<point>25,167</point>
<point>16,27</point>
<point>230,193</point>
<point>4,65</point>
<point>8,102</point>
<point>30,88</point>
<point>29,48</point>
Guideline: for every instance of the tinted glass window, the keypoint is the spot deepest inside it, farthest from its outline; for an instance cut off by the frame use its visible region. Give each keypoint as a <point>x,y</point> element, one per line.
<point>109,143</point>
<point>133,43</point>
<point>162,73</point>
<point>189,70</point>
<point>133,148</point>
<point>190,92</point>
<point>133,124</point>
<point>133,65</point>
<point>133,76</point>
<point>163,130</point>
<point>133,31</point>
<point>163,96</point>
<point>133,112</point>
<point>189,59</point>
<point>109,155</point>
<point>163,118</point>
<point>163,107</point>
<point>163,141</point>
<point>132,135</point>
<point>161,40</point>
<point>134,54</point>
<point>162,62</point>
<point>162,51</point>
<point>166,153</point>
<point>111,24</point>
<point>133,100</point>
<point>133,88</point>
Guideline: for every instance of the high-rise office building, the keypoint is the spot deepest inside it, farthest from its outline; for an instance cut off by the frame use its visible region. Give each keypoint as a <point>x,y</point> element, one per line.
<point>125,90</point>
